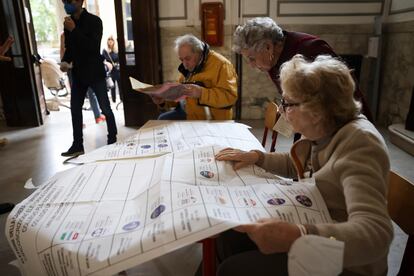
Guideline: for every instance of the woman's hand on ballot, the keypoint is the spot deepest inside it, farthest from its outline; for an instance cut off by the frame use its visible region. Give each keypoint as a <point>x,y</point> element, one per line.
<point>240,158</point>
<point>271,235</point>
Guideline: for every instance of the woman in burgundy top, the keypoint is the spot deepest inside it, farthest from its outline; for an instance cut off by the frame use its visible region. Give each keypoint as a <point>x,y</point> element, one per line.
<point>266,47</point>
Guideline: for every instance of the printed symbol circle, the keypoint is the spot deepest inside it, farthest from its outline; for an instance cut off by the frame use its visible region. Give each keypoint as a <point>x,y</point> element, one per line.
<point>145,146</point>
<point>131,225</point>
<point>207,174</point>
<point>158,211</point>
<point>304,200</point>
<point>276,201</point>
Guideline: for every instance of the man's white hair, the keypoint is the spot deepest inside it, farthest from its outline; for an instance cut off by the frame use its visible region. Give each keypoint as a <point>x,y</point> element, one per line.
<point>189,39</point>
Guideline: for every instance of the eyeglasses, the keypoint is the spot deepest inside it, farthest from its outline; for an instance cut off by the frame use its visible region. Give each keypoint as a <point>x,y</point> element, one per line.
<point>285,105</point>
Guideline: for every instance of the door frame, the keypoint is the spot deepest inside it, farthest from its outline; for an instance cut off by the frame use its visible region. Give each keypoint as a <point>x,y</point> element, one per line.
<point>22,83</point>
<point>139,108</point>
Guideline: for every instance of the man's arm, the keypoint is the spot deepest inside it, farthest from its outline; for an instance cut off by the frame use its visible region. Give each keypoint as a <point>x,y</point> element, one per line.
<point>223,93</point>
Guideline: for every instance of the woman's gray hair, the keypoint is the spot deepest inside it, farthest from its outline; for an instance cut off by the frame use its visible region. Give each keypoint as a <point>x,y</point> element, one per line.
<point>255,33</point>
<point>324,86</point>
<point>189,39</point>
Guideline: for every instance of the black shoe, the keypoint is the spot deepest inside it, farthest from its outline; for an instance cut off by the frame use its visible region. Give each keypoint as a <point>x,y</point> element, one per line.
<point>111,140</point>
<point>6,207</point>
<point>74,150</point>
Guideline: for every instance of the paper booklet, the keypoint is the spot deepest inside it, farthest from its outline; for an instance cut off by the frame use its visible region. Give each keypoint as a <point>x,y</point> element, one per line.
<point>175,93</point>
<point>175,137</point>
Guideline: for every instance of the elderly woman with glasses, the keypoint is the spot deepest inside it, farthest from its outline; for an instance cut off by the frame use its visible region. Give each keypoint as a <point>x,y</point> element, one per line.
<point>345,154</point>
<point>266,47</point>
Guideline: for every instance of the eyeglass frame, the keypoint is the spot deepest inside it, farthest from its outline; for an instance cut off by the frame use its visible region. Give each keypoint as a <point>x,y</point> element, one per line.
<point>285,105</point>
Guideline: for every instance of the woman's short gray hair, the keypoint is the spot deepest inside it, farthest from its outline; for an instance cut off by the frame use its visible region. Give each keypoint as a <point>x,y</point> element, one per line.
<point>255,33</point>
<point>189,39</point>
<point>325,86</point>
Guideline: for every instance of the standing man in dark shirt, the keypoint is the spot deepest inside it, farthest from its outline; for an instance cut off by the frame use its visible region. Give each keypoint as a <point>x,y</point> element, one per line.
<point>83,33</point>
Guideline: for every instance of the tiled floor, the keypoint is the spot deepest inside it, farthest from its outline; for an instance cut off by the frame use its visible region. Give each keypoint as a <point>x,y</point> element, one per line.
<point>35,153</point>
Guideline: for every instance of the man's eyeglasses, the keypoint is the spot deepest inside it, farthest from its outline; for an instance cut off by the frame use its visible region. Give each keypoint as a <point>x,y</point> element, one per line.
<point>285,104</point>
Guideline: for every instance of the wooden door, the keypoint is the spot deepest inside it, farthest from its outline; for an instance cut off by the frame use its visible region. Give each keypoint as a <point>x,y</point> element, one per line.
<point>20,83</point>
<point>139,54</point>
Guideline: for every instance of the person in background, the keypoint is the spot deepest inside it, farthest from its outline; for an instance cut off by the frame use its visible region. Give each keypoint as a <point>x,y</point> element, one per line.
<point>83,33</point>
<point>111,56</point>
<point>266,47</point>
<point>93,101</point>
<point>349,160</point>
<point>210,83</point>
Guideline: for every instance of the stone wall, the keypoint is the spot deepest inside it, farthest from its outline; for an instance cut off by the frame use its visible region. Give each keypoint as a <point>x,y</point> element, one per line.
<point>397,72</point>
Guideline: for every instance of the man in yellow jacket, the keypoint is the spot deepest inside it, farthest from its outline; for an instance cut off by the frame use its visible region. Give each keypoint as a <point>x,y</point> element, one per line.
<point>210,83</point>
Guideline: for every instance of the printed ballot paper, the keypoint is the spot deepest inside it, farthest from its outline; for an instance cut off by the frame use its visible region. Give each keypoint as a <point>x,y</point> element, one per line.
<point>102,218</point>
<point>175,137</point>
<point>169,92</point>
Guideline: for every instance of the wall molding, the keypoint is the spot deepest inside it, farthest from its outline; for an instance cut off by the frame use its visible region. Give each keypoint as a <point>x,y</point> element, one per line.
<point>331,1</point>
<point>259,15</point>
<point>185,17</point>
<point>391,12</point>
<point>291,3</point>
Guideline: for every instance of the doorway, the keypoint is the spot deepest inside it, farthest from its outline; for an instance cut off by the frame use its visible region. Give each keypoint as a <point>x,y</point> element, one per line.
<point>134,24</point>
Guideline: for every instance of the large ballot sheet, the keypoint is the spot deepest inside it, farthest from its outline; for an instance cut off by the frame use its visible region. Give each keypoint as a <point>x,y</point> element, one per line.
<point>176,136</point>
<point>102,218</point>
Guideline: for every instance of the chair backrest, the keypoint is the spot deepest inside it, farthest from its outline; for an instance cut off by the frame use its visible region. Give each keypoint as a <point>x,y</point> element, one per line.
<point>51,74</point>
<point>271,117</point>
<point>401,210</point>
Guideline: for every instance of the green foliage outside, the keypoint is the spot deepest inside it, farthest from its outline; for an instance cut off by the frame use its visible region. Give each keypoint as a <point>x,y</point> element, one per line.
<point>44,20</point>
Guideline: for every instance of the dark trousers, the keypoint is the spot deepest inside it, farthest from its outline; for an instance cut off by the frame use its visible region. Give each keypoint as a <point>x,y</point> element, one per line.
<point>116,77</point>
<point>238,255</point>
<point>77,99</point>
<point>177,114</point>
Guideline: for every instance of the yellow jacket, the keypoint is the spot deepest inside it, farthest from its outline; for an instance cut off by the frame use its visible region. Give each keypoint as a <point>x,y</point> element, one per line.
<point>219,89</point>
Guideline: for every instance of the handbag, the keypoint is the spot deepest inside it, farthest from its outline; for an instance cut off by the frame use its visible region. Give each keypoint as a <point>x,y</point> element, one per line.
<point>109,83</point>
<point>114,64</point>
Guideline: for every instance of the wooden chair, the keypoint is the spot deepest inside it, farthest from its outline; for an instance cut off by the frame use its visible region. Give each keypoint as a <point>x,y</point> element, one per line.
<point>401,210</point>
<point>271,117</point>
